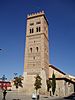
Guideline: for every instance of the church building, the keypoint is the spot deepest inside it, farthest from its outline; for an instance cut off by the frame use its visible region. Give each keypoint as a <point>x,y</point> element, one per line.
<point>65,84</point>
<point>36,59</point>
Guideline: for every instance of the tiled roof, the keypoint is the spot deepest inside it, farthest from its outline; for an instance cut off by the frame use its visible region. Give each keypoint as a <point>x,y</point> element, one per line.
<point>55,68</point>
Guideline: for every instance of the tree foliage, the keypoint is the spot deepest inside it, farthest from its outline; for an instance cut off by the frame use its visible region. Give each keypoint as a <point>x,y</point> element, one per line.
<point>53,83</point>
<point>3,78</point>
<point>18,81</point>
<point>48,84</point>
<point>37,83</point>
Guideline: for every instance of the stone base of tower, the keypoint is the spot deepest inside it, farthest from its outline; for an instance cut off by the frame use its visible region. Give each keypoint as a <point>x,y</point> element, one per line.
<point>28,84</point>
<point>43,89</point>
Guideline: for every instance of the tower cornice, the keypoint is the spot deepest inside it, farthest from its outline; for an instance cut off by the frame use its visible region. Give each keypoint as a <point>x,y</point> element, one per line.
<point>35,15</point>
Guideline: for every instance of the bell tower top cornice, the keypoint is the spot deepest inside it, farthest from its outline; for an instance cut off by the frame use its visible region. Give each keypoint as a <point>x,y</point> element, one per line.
<point>38,14</point>
<point>35,14</point>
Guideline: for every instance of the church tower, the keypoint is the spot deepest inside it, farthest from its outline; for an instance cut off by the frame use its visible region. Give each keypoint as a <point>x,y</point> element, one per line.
<point>36,51</point>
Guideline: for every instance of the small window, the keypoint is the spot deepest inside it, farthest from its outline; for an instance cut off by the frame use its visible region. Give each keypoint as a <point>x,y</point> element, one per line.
<point>39,29</point>
<point>31,24</point>
<point>31,50</point>
<point>32,30</point>
<point>37,49</point>
<point>38,22</point>
<point>33,57</point>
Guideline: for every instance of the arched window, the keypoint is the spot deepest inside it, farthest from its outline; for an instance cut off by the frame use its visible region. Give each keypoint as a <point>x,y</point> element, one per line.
<point>31,50</point>
<point>39,29</point>
<point>33,57</point>
<point>37,49</point>
<point>31,30</point>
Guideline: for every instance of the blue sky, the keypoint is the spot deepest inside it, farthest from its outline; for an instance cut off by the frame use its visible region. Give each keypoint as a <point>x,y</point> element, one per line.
<point>61,18</point>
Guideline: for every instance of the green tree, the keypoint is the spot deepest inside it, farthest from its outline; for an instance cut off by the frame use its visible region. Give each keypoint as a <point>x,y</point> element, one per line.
<point>37,83</point>
<point>53,83</point>
<point>48,84</point>
<point>18,81</point>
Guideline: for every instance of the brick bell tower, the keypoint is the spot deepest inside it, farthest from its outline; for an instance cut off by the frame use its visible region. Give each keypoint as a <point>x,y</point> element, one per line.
<point>36,52</point>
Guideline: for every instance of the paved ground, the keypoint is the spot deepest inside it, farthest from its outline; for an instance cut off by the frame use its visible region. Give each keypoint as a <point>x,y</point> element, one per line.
<point>14,95</point>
